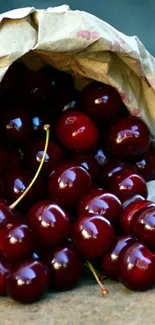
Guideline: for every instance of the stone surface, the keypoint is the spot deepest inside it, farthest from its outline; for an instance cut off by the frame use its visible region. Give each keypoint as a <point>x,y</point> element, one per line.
<point>83,305</point>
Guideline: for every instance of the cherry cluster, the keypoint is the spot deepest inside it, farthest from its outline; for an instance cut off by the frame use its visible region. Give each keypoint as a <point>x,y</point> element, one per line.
<point>78,198</point>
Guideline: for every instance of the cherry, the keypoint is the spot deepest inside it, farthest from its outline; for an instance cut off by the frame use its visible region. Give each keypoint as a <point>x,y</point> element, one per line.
<point>126,184</point>
<point>100,101</point>
<point>15,124</point>
<point>34,153</point>
<point>4,272</point>
<point>40,117</point>
<point>49,222</point>
<point>146,165</point>
<point>68,184</point>
<point>16,241</point>
<point>65,100</point>
<point>137,267</point>
<point>70,267</point>
<point>105,204</point>
<point>28,281</point>
<point>87,161</point>
<point>112,167</point>
<point>110,259</point>
<point>76,131</point>
<point>15,184</point>
<point>134,198</point>
<point>129,213</point>
<point>128,137</point>
<point>92,235</point>
<point>6,215</point>
<point>35,86</point>
<point>143,226</point>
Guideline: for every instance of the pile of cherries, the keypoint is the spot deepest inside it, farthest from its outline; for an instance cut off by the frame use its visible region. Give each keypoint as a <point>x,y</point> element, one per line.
<point>88,204</point>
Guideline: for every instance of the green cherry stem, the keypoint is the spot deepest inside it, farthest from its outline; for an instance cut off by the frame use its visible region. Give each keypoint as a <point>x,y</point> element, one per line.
<point>47,129</point>
<point>103,290</point>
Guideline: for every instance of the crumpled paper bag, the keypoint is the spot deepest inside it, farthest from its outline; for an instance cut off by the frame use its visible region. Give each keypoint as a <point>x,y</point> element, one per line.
<point>83,45</point>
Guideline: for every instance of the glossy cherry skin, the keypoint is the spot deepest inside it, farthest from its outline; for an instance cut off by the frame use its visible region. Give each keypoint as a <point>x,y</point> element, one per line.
<point>68,184</point>
<point>28,281</point>
<point>126,184</point>
<point>128,137</point>
<point>35,86</point>
<point>109,261</point>
<point>65,266</point>
<point>137,267</point>
<point>143,226</point>
<point>34,153</point>
<point>76,131</point>
<point>49,222</point>
<point>57,79</point>
<point>64,100</point>
<point>7,215</point>
<point>100,156</point>
<point>92,235</point>
<point>87,161</point>
<point>16,182</point>
<point>111,168</point>
<point>134,198</point>
<point>4,272</point>
<point>129,213</point>
<point>146,165</point>
<point>100,101</point>
<point>16,241</point>
<point>105,204</point>
<point>15,124</point>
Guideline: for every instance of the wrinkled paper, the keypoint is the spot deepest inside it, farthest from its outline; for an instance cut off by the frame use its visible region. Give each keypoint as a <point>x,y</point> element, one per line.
<point>83,45</point>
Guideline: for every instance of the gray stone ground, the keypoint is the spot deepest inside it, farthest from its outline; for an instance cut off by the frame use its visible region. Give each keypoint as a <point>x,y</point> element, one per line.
<point>84,305</point>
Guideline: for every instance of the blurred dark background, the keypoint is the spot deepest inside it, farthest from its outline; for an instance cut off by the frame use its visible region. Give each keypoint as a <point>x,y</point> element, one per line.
<point>133,17</point>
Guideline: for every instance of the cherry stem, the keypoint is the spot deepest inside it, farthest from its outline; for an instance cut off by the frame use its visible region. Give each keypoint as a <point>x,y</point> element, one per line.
<point>92,269</point>
<point>47,129</point>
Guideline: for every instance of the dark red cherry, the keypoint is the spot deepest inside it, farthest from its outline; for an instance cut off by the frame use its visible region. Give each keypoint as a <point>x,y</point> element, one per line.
<point>16,241</point>
<point>100,101</point>
<point>105,204</point>
<point>35,86</point>
<point>76,131</point>
<point>126,184</point>
<point>92,235</point>
<point>64,100</point>
<point>134,198</point>
<point>15,124</point>
<point>16,182</point>
<point>7,215</point>
<point>146,165</point>
<point>68,184</point>
<point>109,261</point>
<point>2,159</point>
<point>65,266</point>
<point>34,153</point>
<point>112,167</point>
<point>128,137</point>
<point>87,161</point>
<point>40,117</point>
<point>49,222</point>
<point>4,272</point>
<point>28,281</point>
<point>137,267</point>
<point>129,213</point>
<point>143,226</point>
